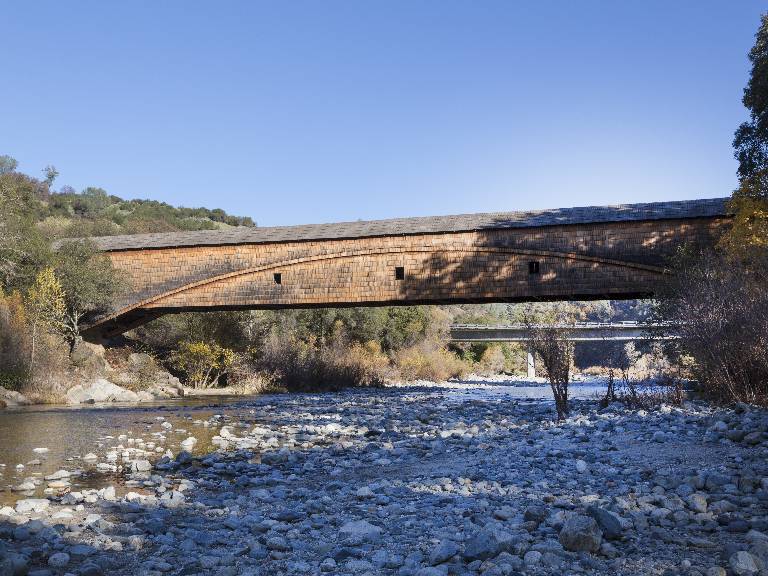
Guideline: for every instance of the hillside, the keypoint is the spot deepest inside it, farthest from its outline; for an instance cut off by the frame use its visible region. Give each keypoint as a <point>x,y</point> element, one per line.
<point>67,213</point>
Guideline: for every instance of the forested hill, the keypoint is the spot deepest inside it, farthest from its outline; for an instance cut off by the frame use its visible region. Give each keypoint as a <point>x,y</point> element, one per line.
<point>66,213</point>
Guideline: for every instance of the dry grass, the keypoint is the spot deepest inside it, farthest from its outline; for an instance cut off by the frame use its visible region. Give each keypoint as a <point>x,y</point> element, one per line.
<point>427,361</point>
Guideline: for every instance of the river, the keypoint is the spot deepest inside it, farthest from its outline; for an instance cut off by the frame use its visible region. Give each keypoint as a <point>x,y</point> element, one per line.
<point>36,441</point>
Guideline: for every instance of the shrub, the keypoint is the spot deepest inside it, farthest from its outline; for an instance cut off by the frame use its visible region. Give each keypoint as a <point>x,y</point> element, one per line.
<point>492,361</point>
<point>202,364</point>
<point>15,342</point>
<point>721,308</point>
<point>301,366</point>
<point>428,361</point>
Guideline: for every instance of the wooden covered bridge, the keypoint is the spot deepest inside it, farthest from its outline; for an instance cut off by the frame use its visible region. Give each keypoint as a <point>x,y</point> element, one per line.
<point>606,252</point>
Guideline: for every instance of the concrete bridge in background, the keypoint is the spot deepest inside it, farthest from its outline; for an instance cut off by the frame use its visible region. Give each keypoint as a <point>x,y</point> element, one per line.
<point>577,332</point>
<point>604,252</point>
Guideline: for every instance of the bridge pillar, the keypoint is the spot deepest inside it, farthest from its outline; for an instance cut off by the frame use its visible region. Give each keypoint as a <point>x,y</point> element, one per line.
<point>531,363</point>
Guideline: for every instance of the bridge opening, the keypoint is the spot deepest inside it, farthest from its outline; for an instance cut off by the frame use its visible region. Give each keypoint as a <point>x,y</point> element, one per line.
<point>278,278</point>
<point>533,267</point>
<point>399,273</point>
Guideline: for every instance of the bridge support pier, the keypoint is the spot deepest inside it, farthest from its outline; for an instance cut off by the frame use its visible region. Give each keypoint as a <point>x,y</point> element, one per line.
<point>531,363</point>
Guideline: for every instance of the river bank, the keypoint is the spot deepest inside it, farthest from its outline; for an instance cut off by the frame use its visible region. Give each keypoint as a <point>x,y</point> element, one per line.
<point>439,479</point>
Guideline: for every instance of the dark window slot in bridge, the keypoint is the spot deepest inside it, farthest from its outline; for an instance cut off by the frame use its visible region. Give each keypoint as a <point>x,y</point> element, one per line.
<point>533,267</point>
<point>278,278</point>
<point>399,273</point>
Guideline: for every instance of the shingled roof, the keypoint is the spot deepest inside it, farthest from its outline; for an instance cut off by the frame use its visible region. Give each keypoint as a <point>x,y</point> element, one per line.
<point>709,208</point>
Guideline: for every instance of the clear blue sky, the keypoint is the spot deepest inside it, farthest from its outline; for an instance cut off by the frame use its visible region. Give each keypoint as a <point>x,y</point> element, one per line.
<point>315,111</point>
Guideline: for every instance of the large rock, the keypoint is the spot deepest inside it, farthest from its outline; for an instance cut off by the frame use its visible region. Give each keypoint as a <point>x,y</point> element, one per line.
<point>12,398</point>
<point>142,373</point>
<point>32,505</point>
<point>487,543</point>
<point>743,564</point>
<point>139,361</point>
<point>13,564</point>
<point>100,390</point>
<point>443,552</point>
<point>608,522</point>
<point>581,533</point>
<point>166,386</point>
<point>89,357</point>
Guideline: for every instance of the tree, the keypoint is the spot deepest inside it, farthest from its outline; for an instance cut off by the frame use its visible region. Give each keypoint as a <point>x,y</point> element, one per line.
<point>751,139</point>
<point>23,250</point>
<point>548,333</point>
<point>750,200</point>
<point>7,164</point>
<point>50,174</point>
<point>46,308</point>
<point>90,285</point>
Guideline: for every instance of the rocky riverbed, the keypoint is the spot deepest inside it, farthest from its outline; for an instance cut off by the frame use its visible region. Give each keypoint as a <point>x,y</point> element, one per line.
<point>409,481</point>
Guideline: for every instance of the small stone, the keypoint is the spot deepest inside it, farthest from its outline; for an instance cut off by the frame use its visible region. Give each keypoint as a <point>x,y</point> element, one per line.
<point>535,514</point>
<point>532,558</point>
<point>443,552</point>
<point>503,513</point>
<point>364,492</point>
<point>172,499</point>
<point>141,466</point>
<point>90,457</point>
<point>581,466</point>
<point>697,502</point>
<point>278,543</point>
<point>26,486</point>
<point>361,529</point>
<point>486,543</point>
<point>58,560</point>
<point>328,565</point>
<point>659,436</point>
<point>59,475</point>
<point>108,493</point>
<point>188,444</point>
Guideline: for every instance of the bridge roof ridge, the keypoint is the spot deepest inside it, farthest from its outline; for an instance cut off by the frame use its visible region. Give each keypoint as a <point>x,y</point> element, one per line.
<point>681,209</point>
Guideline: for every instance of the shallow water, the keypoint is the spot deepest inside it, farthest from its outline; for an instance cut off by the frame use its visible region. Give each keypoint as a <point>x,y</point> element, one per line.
<point>71,432</point>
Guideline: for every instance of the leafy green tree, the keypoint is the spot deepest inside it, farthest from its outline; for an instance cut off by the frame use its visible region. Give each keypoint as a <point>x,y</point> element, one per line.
<point>750,200</point>
<point>22,248</point>
<point>751,139</point>
<point>90,285</point>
